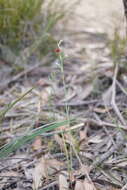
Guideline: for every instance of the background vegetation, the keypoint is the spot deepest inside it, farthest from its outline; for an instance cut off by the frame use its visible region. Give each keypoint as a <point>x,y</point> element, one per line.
<point>24,22</point>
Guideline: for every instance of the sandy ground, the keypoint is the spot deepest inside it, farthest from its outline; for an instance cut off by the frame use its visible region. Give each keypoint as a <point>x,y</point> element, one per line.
<point>102,15</point>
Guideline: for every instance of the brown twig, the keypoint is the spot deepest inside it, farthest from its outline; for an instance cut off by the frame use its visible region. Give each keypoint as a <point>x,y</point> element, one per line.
<point>103,123</point>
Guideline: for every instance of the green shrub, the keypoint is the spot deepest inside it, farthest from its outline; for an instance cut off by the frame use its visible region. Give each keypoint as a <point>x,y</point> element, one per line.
<point>22,21</point>
<point>16,17</point>
<point>29,24</point>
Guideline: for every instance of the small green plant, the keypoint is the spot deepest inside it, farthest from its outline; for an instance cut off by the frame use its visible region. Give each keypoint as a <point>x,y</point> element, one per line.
<point>118,46</point>
<point>61,57</point>
<point>72,149</point>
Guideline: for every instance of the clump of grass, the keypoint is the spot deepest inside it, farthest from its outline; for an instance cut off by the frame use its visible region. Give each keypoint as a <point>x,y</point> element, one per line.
<point>23,22</point>
<point>118,46</point>
<point>27,138</point>
<point>15,17</point>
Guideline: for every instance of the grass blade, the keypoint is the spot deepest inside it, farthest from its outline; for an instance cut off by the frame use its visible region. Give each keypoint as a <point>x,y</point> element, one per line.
<point>19,142</point>
<point>9,106</point>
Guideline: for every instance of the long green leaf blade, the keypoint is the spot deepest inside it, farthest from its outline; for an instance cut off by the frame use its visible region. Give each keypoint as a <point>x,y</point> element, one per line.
<point>19,142</point>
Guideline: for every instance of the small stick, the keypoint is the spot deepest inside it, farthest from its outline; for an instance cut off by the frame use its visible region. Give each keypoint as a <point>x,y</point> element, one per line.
<point>113,102</point>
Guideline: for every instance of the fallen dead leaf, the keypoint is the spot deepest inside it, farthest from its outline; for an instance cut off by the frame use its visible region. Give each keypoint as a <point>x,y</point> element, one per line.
<point>85,170</point>
<point>44,95</point>
<point>66,138</point>
<point>122,164</point>
<point>42,82</point>
<point>106,96</point>
<point>63,184</point>
<point>70,94</point>
<point>86,92</point>
<point>40,171</point>
<point>44,168</point>
<point>79,185</point>
<point>88,185</point>
<point>59,140</point>
<point>113,188</point>
<point>95,139</point>
<point>101,110</point>
<point>83,134</point>
<point>4,180</point>
<point>55,164</point>
<point>83,138</point>
<point>69,138</point>
<point>37,144</point>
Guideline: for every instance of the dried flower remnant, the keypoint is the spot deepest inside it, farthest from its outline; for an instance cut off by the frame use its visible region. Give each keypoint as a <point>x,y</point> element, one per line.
<point>57,50</point>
